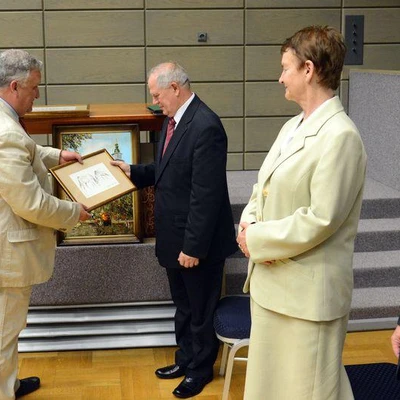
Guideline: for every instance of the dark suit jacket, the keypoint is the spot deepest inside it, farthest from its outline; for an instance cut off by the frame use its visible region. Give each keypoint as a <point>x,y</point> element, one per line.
<point>192,209</point>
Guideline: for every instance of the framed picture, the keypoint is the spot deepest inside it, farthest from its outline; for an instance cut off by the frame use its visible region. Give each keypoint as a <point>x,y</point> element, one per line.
<point>95,182</point>
<point>113,204</point>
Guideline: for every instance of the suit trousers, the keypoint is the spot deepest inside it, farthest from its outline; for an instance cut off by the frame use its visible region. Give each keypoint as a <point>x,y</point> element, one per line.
<point>291,358</point>
<point>195,293</point>
<point>14,303</point>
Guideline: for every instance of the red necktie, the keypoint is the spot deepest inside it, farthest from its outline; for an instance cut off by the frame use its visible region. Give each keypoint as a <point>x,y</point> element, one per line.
<point>170,131</point>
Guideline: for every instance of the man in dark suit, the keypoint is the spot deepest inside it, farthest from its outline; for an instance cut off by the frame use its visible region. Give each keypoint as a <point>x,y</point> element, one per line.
<point>193,220</point>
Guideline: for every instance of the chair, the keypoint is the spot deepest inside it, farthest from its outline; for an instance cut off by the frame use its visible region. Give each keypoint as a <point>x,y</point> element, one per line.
<point>232,324</point>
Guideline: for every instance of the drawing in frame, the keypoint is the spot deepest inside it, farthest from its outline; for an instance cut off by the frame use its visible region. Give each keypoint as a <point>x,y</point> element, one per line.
<point>95,182</point>
<point>117,221</point>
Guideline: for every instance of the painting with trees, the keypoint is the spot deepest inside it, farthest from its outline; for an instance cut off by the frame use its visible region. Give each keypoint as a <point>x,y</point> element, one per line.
<point>119,220</point>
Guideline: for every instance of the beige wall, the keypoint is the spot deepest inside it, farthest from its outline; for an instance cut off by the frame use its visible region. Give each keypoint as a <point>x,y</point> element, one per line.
<point>98,51</point>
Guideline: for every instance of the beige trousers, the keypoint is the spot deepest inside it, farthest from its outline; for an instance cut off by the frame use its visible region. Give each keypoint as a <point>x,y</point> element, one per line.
<point>14,303</point>
<point>294,359</point>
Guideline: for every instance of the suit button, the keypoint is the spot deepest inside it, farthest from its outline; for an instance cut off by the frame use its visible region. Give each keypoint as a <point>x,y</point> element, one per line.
<point>265,192</point>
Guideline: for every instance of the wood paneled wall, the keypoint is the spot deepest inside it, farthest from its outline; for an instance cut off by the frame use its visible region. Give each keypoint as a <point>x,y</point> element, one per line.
<point>98,51</point>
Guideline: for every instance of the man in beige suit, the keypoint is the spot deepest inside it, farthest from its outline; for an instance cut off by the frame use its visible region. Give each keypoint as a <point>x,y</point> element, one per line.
<point>298,231</point>
<point>29,214</point>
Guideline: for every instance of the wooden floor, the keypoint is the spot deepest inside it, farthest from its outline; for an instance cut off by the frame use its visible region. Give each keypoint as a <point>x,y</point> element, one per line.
<point>129,374</point>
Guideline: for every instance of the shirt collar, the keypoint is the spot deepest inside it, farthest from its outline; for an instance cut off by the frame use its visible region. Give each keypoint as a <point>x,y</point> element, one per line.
<point>14,114</point>
<point>181,110</point>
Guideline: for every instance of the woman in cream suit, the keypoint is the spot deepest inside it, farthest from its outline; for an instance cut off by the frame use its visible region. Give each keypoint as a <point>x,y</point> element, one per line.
<point>298,232</point>
<point>29,214</point>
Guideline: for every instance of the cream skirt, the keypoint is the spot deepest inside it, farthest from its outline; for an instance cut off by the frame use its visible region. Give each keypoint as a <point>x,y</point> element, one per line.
<point>295,359</point>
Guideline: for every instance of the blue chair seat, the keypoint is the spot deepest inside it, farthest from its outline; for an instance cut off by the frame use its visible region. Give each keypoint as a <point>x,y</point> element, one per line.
<point>232,317</point>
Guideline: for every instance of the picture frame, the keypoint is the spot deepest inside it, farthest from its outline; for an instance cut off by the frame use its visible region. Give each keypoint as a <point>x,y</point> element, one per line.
<point>95,182</point>
<point>115,221</point>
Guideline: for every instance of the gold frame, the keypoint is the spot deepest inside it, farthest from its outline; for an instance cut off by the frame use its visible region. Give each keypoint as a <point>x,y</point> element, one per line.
<point>115,219</point>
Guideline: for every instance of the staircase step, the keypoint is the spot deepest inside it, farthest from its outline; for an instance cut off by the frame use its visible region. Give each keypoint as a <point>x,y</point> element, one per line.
<point>379,200</point>
<point>97,342</point>
<point>379,225</point>
<point>378,235</point>
<point>371,269</point>
<point>115,312</point>
<point>235,274</point>
<point>97,329</point>
<point>379,268</point>
<point>375,302</point>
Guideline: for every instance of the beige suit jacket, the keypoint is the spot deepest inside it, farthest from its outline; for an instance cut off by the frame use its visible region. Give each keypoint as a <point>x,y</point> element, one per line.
<point>306,206</point>
<point>29,214</point>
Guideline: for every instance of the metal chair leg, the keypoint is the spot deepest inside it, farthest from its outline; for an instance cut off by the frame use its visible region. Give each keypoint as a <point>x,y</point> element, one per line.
<point>224,357</point>
<point>229,366</point>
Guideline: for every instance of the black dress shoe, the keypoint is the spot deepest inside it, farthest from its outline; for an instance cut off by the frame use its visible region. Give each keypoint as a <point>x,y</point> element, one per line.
<point>190,387</point>
<point>170,372</point>
<point>27,385</point>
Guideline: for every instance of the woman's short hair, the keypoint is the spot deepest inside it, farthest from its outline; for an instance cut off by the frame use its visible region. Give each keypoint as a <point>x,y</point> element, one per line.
<point>16,64</point>
<point>324,46</point>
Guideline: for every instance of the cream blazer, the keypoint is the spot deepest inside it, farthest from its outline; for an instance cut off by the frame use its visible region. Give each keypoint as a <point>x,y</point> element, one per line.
<point>29,214</point>
<point>305,208</point>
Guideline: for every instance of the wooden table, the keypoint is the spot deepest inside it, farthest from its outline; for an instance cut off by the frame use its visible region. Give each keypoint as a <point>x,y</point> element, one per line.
<point>137,113</point>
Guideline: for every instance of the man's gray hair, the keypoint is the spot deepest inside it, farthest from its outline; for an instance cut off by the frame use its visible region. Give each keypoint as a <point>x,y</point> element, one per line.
<point>169,72</point>
<point>16,65</point>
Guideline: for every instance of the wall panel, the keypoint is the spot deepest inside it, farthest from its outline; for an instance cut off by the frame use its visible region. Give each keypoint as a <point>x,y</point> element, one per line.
<point>92,4</point>
<point>263,63</point>
<point>21,29</point>
<point>262,132</point>
<point>371,3</point>
<point>9,5</point>
<point>380,25</point>
<point>292,3</point>
<point>268,99</point>
<point>203,64</point>
<point>234,131</point>
<point>274,26</point>
<point>104,65</point>
<point>182,4</point>
<point>181,27</point>
<point>104,94</point>
<point>94,28</point>
<point>378,56</point>
<point>226,99</point>
<point>235,162</point>
<point>253,160</point>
